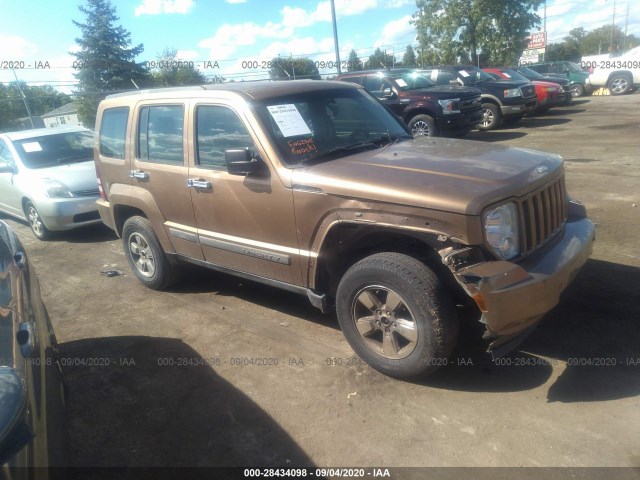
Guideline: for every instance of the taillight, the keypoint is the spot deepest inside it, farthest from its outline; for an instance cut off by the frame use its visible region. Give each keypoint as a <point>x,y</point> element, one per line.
<point>103,195</point>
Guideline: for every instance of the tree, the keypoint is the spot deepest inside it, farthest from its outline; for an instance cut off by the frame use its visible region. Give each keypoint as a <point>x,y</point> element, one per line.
<point>457,30</point>
<point>293,68</point>
<point>40,100</point>
<point>409,58</point>
<point>106,61</point>
<point>354,63</point>
<point>173,72</point>
<point>380,59</point>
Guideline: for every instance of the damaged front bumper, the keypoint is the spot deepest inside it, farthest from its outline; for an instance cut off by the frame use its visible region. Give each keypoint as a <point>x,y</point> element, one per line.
<point>513,297</point>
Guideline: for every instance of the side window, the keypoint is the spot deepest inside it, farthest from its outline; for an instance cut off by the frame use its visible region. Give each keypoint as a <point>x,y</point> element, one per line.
<point>113,130</point>
<point>5,154</point>
<point>160,134</point>
<point>218,129</point>
<point>374,84</point>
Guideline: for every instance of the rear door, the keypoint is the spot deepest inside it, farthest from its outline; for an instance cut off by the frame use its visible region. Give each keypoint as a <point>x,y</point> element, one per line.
<point>245,223</point>
<point>159,171</point>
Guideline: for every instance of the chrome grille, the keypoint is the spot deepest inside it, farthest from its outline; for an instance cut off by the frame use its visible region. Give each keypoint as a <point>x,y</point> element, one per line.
<point>86,193</point>
<point>542,215</point>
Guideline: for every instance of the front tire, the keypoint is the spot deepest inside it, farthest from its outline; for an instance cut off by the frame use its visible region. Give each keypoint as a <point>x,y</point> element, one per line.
<point>491,116</point>
<point>423,125</point>
<point>145,255</point>
<point>396,315</point>
<point>35,222</point>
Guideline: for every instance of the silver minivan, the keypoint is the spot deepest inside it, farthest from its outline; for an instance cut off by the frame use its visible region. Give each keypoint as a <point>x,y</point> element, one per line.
<point>47,177</point>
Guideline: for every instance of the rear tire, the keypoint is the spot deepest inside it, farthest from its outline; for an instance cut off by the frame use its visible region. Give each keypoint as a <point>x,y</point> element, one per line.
<point>145,255</point>
<point>492,117</point>
<point>577,90</point>
<point>619,84</point>
<point>396,315</point>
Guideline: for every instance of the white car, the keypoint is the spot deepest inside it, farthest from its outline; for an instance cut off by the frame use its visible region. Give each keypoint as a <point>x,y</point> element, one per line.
<point>619,74</point>
<point>48,177</point>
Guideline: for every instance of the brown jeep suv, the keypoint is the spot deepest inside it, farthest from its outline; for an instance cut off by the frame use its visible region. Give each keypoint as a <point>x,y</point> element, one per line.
<point>316,188</point>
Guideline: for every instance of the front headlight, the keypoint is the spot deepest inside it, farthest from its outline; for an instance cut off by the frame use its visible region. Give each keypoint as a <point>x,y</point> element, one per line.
<point>512,92</point>
<point>501,230</point>
<point>450,105</point>
<point>55,189</point>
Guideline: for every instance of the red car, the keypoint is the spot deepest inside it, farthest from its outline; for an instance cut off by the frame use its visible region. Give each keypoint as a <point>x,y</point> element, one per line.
<point>549,94</point>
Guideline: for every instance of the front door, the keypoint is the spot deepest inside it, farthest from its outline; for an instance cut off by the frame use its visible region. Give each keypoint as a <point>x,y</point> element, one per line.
<point>10,200</point>
<point>245,223</point>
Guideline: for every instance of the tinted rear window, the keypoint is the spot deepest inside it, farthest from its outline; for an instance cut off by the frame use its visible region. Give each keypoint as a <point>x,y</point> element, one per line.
<point>113,130</point>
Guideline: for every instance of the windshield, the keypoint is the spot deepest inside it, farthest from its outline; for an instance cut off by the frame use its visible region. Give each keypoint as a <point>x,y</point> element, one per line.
<point>573,67</point>
<point>530,73</point>
<point>513,75</point>
<point>472,76</point>
<point>322,125</point>
<point>51,150</point>
<point>412,81</point>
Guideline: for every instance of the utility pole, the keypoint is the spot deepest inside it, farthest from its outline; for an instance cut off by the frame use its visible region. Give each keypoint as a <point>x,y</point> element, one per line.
<point>544,29</point>
<point>335,35</point>
<point>613,26</point>
<point>626,23</point>
<point>24,99</point>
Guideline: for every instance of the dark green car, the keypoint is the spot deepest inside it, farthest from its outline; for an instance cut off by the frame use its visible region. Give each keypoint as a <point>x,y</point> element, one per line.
<point>579,79</point>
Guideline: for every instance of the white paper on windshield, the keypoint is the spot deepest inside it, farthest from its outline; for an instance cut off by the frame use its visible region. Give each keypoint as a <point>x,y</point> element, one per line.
<point>506,75</point>
<point>31,147</point>
<point>401,82</point>
<point>289,120</point>
<point>464,73</point>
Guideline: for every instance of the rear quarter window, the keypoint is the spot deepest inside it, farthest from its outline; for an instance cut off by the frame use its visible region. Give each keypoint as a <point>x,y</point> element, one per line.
<point>113,131</point>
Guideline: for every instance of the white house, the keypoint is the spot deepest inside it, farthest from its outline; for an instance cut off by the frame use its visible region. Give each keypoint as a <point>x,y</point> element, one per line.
<point>65,115</point>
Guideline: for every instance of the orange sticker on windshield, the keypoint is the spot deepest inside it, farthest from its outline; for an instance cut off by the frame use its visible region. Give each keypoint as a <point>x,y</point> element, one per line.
<point>300,147</point>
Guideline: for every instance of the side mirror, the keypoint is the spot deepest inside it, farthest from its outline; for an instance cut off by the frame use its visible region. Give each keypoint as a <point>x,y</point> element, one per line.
<point>6,168</point>
<point>389,94</point>
<point>14,431</point>
<point>241,162</point>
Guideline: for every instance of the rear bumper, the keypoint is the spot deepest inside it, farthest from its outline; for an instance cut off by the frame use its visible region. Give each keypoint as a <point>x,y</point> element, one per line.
<point>67,213</point>
<point>514,296</point>
<point>106,214</point>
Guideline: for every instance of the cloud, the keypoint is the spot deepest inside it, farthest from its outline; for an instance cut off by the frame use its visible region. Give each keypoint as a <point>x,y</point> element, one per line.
<point>229,37</point>
<point>15,47</point>
<point>157,7</point>
<point>397,31</point>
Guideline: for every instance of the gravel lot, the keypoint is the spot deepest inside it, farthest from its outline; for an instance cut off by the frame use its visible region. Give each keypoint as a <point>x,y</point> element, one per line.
<point>172,381</point>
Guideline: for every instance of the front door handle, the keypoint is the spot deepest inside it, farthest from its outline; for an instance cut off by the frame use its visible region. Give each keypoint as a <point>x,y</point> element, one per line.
<point>192,183</point>
<point>139,174</point>
<point>27,337</point>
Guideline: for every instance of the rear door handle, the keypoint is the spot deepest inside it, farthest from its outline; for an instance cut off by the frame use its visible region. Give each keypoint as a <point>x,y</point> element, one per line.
<point>139,174</point>
<point>191,183</point>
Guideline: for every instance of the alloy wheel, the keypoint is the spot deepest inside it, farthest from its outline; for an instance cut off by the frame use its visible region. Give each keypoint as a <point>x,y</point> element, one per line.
<point>385,322</point>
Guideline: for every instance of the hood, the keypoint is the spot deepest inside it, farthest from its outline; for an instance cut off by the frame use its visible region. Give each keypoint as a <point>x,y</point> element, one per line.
<point>77,177</point>
<point>452,175</point>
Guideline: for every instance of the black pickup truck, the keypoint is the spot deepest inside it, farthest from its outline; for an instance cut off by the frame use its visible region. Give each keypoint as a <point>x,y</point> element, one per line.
<point>502,100</point>
<point>427,109</point>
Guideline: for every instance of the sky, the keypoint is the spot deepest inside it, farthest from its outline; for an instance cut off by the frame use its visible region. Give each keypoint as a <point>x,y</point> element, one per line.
<point>231,37</point>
